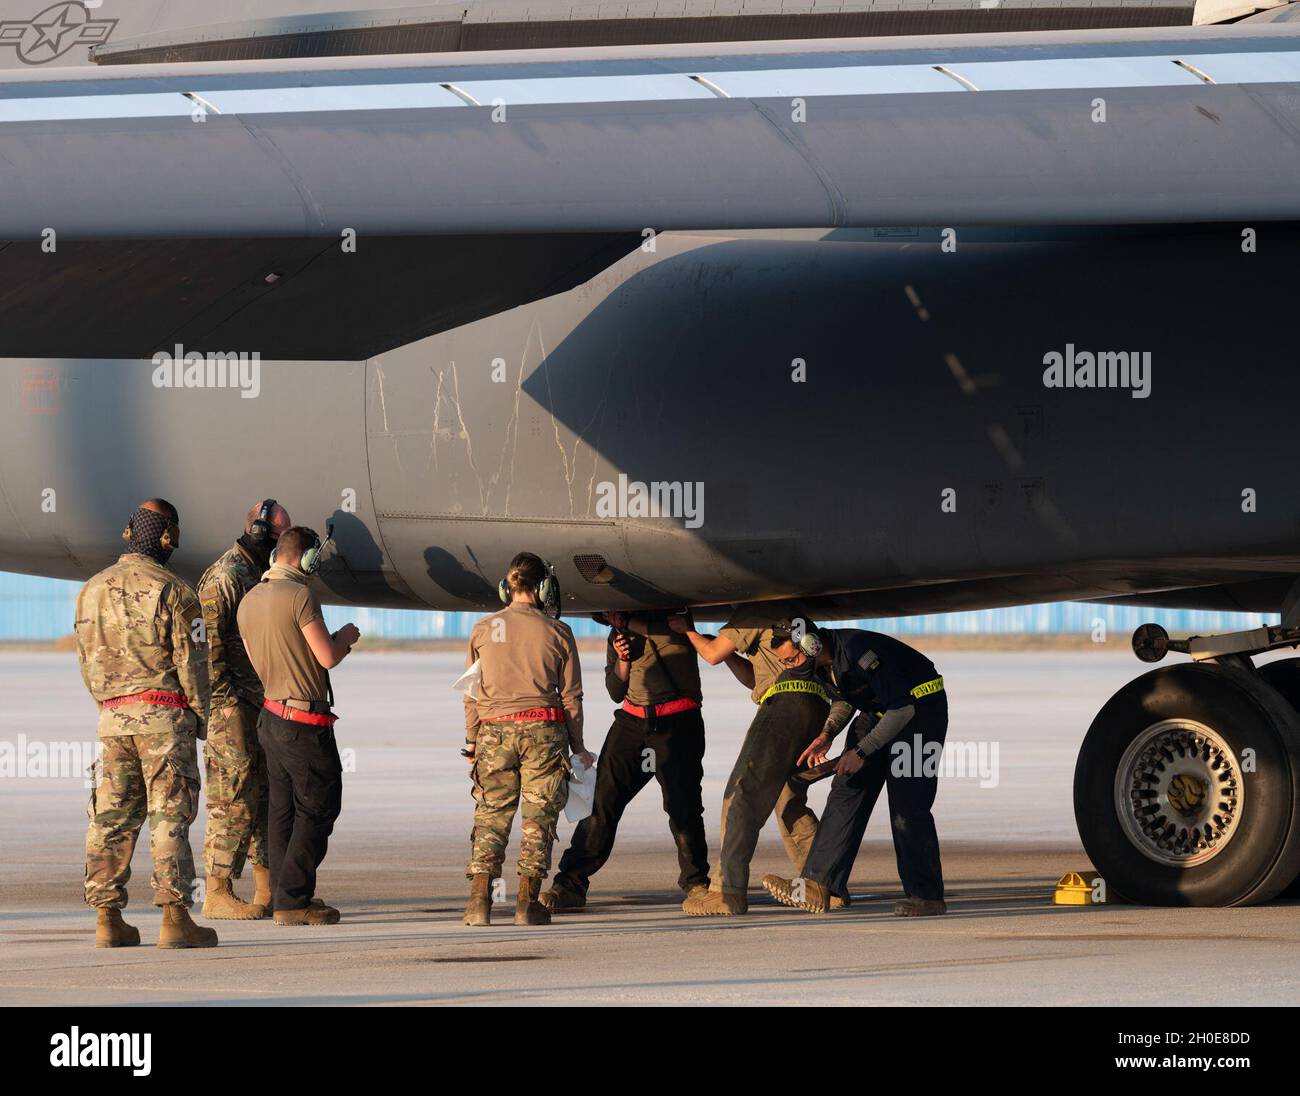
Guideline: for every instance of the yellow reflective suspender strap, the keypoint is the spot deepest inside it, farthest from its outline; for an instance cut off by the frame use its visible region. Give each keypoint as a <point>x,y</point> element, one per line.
<point>929,688</point>
<point>795,687</point>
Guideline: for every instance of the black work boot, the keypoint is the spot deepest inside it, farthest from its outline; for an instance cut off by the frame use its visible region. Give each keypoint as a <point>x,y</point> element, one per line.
<point>920,907</point>
<point>528,910</point>
<point>562,899</point>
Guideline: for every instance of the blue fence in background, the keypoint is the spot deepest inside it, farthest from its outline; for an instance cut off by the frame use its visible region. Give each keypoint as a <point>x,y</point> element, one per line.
<point>41,608</point>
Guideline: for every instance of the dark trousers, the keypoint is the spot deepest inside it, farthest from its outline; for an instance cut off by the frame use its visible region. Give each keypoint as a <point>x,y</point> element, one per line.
<point>912,780</point>
<point>667,748</point>
<point>305,780</point>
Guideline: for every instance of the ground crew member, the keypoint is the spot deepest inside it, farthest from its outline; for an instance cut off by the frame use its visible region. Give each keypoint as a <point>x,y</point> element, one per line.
<point>895,689</point>
<point>788,719</point>
<point>233,761</point>
<point>292,651</point>
<point>143,657</point>
<point>520,722</point>
<point>658,733</point>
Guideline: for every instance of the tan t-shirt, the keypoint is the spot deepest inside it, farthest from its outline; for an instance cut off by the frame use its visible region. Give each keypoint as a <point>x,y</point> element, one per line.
<point>750,630</point>
<point>271,618</point>
<point>528,661</point>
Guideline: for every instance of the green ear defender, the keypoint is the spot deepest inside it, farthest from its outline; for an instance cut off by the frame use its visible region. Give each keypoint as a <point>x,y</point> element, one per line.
<point>310,562</point>
<point>548,593</point>
<point>311,559</point>
<point>804,637</point>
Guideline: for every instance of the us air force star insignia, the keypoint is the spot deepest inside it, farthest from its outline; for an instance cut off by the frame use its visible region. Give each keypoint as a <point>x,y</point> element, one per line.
<point>53,32</point>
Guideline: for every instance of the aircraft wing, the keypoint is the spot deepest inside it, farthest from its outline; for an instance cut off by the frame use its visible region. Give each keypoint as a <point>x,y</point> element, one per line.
<point>573,156</point>
<point>990,130</point>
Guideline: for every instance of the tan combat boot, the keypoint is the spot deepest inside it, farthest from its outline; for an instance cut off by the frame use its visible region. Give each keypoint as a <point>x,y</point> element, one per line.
<point>841,901</point>
<point>780,888</point>
<point>317,913</point>
<point>563,900</point>
<point>179,931</point>
<point>112,932</point>
<point>528,910</point>
<point>802,894</point>
<point>262,889</point>
<point>716,904</point>
<point>221,903</point>
<point>479,910</point>
<point>920,907</point>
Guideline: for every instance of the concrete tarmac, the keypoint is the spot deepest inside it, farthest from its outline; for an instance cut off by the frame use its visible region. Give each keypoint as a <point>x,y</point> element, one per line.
<point>396,869</point>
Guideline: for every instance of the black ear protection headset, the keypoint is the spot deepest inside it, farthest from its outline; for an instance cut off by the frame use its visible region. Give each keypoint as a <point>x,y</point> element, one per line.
<point>259,533</point>
<point>169,541</point>
<point>548,592</point>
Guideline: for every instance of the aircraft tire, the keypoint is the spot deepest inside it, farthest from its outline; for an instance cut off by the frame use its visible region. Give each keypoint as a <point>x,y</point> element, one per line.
<point>1187,789</point>
<point>1284,676</point>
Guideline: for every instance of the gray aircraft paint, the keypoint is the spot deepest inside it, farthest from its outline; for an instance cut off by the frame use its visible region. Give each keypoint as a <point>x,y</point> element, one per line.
<point>1188,152</point>
<point>144,25</point>
<point>677,366</point>
<point>924,368</point>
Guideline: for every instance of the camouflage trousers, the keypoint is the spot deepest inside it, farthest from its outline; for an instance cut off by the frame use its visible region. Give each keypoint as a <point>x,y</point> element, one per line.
<point>514,761</point>
<point>139,776</point>
<point>235,768</point>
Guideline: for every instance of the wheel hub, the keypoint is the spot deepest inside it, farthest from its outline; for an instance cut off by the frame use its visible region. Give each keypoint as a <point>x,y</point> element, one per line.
<point>1178,793</point>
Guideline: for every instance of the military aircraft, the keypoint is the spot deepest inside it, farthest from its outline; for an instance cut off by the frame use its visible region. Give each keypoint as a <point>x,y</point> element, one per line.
<point>894,324</point>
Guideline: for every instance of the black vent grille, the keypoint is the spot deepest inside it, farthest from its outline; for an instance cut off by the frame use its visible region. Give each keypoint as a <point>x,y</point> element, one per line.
<point>594,569</point>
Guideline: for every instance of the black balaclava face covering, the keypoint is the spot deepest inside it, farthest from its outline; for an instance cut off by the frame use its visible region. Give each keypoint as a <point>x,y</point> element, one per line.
<point>147,529</point>
<point>261,553</point>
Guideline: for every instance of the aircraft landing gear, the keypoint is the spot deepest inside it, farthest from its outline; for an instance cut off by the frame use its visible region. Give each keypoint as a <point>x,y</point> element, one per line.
<point>1187,787</point>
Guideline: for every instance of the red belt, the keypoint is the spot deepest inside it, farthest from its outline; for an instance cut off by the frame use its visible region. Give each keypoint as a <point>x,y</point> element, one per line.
<point>149,696</point>
<point>671,707</point>
<point>293,715</point>
<point>546,715</point>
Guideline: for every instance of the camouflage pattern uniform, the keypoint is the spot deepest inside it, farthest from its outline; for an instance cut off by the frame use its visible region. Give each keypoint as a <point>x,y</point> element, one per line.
<point>517,759</point>
<point>233,761</point>
<point>136,630</point>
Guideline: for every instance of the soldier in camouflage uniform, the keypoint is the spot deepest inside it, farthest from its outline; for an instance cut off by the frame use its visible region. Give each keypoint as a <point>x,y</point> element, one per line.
<point>518,764</point>
<point>521,721</point>
<point>234,764</point>
<point>144,659</point>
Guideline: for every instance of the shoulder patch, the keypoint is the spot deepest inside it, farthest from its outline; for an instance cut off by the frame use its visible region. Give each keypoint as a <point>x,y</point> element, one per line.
<point>868,661</point>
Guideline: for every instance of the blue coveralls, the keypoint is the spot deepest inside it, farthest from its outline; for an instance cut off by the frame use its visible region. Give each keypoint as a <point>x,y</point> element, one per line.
<point>876,673</point>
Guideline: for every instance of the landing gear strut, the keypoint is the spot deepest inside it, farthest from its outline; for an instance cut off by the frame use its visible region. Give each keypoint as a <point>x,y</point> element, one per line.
<point>1187,787</point>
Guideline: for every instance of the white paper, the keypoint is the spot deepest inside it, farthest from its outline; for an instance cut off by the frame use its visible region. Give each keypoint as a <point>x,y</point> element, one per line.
<point>582,790</point>
<point>469,681</point>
